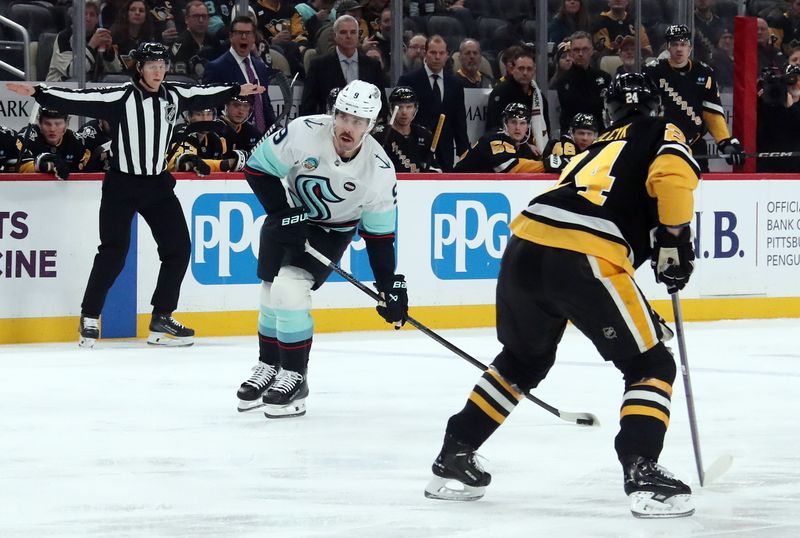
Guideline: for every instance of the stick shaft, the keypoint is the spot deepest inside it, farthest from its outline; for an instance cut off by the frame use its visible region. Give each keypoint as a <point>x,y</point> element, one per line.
<point>758,155</point>
<point>437,133</point>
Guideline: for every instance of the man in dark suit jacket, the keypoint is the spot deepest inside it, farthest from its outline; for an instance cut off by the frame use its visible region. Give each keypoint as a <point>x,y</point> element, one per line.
<point>447,99</point>
<point>233,66</point>
<point>335,69</point>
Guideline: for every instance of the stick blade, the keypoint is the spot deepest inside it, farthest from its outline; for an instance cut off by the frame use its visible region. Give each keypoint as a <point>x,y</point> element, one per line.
<point>717,469</point>
<point>581,419</point>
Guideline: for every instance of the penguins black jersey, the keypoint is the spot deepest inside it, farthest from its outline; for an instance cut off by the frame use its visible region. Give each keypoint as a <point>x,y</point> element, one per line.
<point>9,149</point>
<point>71,149</point>
<point>410,153</point>
<point>637,174</point>
<point>564,146</point>
<point>497,153</point>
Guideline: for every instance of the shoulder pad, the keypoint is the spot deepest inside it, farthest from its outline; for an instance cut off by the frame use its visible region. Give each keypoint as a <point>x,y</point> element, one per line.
<point>652,62</point>
<point>422,129</point>
<point>703,65</point>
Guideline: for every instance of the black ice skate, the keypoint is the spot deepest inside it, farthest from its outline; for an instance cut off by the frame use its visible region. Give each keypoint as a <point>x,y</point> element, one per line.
<point>167,331</point>
<point>286,397</point>
<point>89,331</point>
<point>654,492</point>
<point>256,386</point>
<point>457,465</point>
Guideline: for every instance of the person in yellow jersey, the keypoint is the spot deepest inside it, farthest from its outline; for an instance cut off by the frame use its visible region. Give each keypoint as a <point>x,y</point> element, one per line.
<point>626,199</point>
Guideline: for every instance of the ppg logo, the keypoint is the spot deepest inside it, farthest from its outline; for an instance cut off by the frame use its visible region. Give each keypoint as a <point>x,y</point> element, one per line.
<point>225,234</point>
<point>470,232</point>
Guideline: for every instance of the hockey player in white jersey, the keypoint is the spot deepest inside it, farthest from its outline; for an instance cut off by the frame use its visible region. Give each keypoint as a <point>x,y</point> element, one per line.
<point>319,179</point>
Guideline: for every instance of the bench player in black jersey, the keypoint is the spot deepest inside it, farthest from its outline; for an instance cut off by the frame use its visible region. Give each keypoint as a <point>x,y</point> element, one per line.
<point>571,258</point>
<point>204,144</point>
<point>407,144</point>
<point>690,96</point>
<point>582,132</point>
<point>506,150</point>
<point>51,147</point>
<point>9,149</point>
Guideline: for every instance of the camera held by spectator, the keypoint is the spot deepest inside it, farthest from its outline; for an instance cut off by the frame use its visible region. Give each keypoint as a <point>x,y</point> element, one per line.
<point>778,87</point>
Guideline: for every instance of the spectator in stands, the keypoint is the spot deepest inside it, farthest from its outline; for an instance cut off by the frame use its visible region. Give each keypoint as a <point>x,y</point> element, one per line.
<point>376,54</point>
<point>195,46</point>
<point>9,149</point>
<point>274,20</point>
<point>613,25</point>
<point>786,28</point>
<point>326,41</point>
<point>507,58</point>
<point>768,54</point>
<point>339,67</point>
<point>708,28</point>
<point>571,17</point>
<point>469,74</point>
<point>793,57</point>
<point>521,88</point>
<point>722,59</point>
<point>627,55</point>
<point>244,135</point>
<point>580,88</point>
<point>381,38</point>
<point>100,57</point>
<point>313,16</point>
<point>439,92</point>
<point>562,62</point>
<point>779,118</point>
<point>414,53</point>
<point>134,25</point>
<point>241,65</point>
<point>49,147</point>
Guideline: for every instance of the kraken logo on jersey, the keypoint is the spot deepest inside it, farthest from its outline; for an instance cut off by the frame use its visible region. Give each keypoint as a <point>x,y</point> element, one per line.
<point>315,193</point>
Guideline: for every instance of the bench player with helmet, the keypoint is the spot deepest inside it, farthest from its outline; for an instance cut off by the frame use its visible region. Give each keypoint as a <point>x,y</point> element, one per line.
<point>319,179</point>
<point>572,257</point>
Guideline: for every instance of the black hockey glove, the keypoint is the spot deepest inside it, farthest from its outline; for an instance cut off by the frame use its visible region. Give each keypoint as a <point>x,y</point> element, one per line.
<point>50,163</point>
<point>394,304</point>
<point>733,151</point>
<point>289,229</point>
<point>189,162</point>
<point>555,163</point>
<point>235,163</point>
<point>673,258</point>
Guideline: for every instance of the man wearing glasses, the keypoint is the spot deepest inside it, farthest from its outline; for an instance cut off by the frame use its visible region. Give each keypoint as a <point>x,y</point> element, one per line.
<point>195,46</point>
<point>579,88</point>
<point>241,65</point>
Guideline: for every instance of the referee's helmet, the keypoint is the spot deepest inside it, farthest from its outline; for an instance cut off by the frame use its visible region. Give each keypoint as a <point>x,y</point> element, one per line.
<point>149,52</point>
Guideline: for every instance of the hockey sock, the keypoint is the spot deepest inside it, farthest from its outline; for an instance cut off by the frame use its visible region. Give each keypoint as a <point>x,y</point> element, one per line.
<point>644,418</point>
<point>489,403</point>
<point>290,296</point>
<point>267,329</point>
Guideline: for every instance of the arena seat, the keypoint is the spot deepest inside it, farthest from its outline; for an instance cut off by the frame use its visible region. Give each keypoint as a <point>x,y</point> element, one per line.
<point>35,18</point>
<point>44,54</point>
<point>449,28</point>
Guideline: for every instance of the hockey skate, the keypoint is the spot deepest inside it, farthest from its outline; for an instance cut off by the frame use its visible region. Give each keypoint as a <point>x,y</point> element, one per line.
<point>457,465</point>
<point>252,390</point>
<point>89,331</point>
<point>286,397</point>
<point>167,331</point>
<point>654,492</point>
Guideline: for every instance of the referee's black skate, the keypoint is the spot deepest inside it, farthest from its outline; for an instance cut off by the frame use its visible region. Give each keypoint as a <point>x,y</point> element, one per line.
<point>89,331</point>
<point>167,331</point>
<point>457,465</point>
<point>654,492</point>
<point>251,391</point>
<point>286,396</point>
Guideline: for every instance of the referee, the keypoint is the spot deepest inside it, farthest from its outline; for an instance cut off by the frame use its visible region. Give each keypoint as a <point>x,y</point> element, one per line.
<point>142,115</point>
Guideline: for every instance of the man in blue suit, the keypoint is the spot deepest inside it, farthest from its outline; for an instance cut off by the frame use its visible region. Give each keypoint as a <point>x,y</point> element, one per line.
<point>440,92</point>
<point>240,65</point>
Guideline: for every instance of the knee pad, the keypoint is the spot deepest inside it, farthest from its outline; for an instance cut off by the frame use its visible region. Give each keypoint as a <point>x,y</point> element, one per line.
<point>291,289</point>
<point>657,362</point>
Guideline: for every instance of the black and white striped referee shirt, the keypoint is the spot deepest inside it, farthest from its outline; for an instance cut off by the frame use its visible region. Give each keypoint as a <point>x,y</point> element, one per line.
<point>142,121</point>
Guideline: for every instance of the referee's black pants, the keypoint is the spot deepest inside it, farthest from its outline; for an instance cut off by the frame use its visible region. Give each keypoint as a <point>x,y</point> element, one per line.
<point>153,198</point>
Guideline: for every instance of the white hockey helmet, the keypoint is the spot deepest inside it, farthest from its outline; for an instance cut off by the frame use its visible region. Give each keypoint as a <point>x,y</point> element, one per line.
<point>361,99</point>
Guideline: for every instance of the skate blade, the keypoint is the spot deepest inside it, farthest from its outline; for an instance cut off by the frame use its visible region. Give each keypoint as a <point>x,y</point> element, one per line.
<point>249,405</point>
<point>439,488</point>
<point>167,340</point>
<point>87,343</point>
<point>295,409</point>
<point>644,506</point>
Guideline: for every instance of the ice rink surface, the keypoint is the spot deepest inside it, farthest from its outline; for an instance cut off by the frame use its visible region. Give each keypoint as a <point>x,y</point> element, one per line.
<point>129,440</point>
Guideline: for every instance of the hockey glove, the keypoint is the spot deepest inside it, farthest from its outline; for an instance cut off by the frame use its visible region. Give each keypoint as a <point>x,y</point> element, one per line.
<point>673,258</point>
<point>393,306</point>
<point>50,163</point>
<point>235,163</point>
<point>555,163</point>
<point>189,162</point>
<point>289,229</point>
<point>733,151</point>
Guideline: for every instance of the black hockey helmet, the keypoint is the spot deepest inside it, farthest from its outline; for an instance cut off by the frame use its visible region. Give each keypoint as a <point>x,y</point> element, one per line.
<point>582,120</point>
<point>516,110</point>
<point>330,102</point>
<point>52,114</point>
<point>402,95</point>
<point>150,52</point>
<point>677,32</point>
<point>791,73</point>
<point>631,94</point>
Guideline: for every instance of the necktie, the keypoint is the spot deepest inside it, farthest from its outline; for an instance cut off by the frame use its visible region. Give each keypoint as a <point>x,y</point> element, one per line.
<point>258,104</point>
<point>437,93</point>
<point>349,71</point>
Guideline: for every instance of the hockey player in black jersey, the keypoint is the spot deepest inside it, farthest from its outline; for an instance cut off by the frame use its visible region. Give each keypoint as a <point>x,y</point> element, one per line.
<point>96,137</point>
<point>202,145</point>
<point>50,147</point>
<point>407,144</point>
<point>582,132</point>
<point>506,150</point>
<point>9,149</point>
<point>626,199</point>
<point>243,136</point>
<point>690,96</point>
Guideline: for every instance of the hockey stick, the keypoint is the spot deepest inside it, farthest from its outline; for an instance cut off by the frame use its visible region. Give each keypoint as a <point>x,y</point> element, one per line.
<point>437,133</point>
<point>389,125</point>
<point>287,91</point>
<point>722,463</point>
<point>759,155</point>
<point>581,419</point>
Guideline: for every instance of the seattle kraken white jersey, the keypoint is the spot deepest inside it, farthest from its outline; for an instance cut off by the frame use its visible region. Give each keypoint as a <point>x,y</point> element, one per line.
<point>337,194</point>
